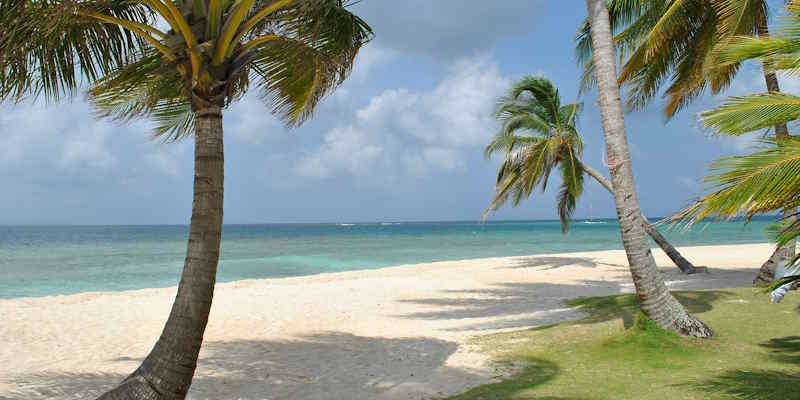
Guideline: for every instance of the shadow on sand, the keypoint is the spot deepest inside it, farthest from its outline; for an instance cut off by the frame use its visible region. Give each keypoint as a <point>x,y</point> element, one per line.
<point>545,263</point>
<point>606,308</point>
<point>345,366</point>
<point>521,305</point>
<point>317,367</point>
<point>509,305</point>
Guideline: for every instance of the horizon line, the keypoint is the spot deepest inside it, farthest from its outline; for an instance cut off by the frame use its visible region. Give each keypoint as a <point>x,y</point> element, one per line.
<point>476,221</point>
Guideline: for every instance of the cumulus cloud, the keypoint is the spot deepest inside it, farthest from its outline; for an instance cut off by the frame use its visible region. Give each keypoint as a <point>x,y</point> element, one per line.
<point>372,56</point>
<point>251,121</point>
<point>166,160</point>
<point>400,131</point>
<point>346,150</point>
<point>60,142</point>
<point>85,147</point>
<point>53,137</point>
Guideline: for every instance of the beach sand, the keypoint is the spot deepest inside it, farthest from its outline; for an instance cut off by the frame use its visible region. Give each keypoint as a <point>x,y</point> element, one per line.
<point>393,333</point>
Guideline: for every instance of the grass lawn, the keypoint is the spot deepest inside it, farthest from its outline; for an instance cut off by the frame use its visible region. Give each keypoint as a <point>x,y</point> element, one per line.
<point>755,353</point>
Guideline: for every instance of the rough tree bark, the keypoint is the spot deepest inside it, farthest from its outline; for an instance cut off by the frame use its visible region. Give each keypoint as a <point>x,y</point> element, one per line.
<point>654,298</point>
<point>682,263</point>
<point>166,373</point>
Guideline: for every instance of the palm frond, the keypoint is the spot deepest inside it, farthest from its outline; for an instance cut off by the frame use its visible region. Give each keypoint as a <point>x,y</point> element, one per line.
<point>533,106</point>
<point>741,115</point>
<point>784,231</point>
<point>146,89</point>
<point>318,42</point>
<point>672,42</point>
<point>48,47</point>
<point>738,17</point>
<point>739,49</point>
<point>543,91</point>
<point>571,187</point>
<point>506,141</point>
<point>762,182</point>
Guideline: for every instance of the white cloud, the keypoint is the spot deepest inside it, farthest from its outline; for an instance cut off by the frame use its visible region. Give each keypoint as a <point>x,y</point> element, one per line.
<point>251,121</point>
<point>22,130</point>
<point>370,57</point>
<point>166,159</point>
<point>53,136</point>
<point>405,132</point>
<point>345,150</point>
<point>85,147</point>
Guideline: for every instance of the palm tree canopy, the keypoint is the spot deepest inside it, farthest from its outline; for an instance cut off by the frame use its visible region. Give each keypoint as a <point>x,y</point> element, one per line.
<point>163,59</point>
<point>760,111</point>
<point>766,180</point>
<point>671,42</point>
<point>537,134</point>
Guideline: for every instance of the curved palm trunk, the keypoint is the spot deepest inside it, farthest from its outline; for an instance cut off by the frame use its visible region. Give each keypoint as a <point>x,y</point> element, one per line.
<point>166,373</point>
<point>682,263</point>
<point>654,298</point>
<point>784,253</point>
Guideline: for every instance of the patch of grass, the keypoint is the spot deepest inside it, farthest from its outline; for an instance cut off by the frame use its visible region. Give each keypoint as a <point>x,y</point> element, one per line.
<point>617,353</point>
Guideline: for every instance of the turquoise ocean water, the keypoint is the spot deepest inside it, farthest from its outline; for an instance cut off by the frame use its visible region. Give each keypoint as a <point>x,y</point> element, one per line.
<point>45,260</point>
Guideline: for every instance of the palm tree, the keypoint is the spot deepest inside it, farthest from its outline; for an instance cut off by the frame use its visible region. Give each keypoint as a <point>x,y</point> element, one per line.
<point>673,41</point>
<point>534,105</point>
<point>655,300</point>
<point>769,179</point>
<point>762,182</point>
<point>180,63</point>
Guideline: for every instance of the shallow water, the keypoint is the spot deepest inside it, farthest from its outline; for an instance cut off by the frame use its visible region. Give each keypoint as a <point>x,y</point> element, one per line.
<point>49,260</point>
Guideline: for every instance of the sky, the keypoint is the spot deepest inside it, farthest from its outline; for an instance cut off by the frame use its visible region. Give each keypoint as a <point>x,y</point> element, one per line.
<point>401,140</point>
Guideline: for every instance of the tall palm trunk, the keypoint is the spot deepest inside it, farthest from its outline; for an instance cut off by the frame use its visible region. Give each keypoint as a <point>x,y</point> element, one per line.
<point>166,373</point>
<point>654,298</point>
<point>783,253</point>
<point>682,263</point>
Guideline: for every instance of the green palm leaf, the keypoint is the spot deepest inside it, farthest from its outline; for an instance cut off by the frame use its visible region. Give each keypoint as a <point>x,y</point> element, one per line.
<point>537,134</point>
<point>673,43</point>
<point>762,182</point>
<point>297,52</point>
<point>315,52</point>
<point>741,115</point>
<point>571,186</point>
<point>47,48</point>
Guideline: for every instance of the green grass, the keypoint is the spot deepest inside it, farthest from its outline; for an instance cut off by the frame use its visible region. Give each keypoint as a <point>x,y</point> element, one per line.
<point>613,354</point>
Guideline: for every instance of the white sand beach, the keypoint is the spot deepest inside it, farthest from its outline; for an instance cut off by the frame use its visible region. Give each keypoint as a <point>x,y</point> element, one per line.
<point>393,333</point>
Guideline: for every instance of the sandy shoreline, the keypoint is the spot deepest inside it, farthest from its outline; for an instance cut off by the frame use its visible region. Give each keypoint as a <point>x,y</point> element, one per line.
<point>392,333</point>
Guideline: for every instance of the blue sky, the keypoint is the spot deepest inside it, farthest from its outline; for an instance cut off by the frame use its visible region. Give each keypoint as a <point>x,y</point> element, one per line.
<point>400,140</point>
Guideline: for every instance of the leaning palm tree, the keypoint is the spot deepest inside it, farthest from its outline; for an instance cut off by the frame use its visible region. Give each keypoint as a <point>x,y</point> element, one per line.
<point>673,41</point>
<point>533,105</point>
<point>655,299</point>
<point>180,63</point>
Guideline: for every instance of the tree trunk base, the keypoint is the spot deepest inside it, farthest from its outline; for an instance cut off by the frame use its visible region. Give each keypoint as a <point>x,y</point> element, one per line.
<point>135,387</point>
<point>767,272</point>
<point>692,327</point>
